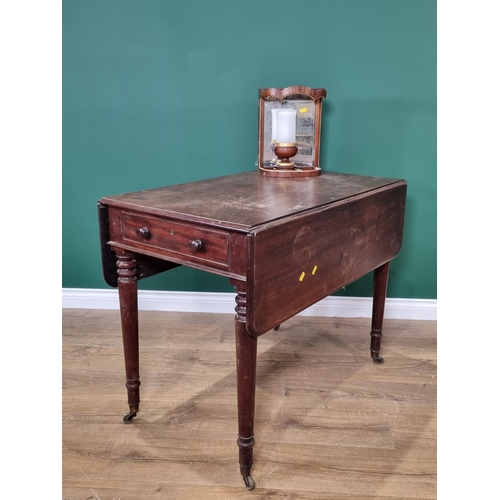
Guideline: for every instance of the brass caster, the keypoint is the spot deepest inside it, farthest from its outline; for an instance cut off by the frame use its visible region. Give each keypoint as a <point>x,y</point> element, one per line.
<point>249,482</point>
<point>276,328</point>
<point>128,417</point>
<point>378,360</point>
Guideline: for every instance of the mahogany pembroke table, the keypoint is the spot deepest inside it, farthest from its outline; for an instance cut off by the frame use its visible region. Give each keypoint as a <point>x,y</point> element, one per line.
<point>284,244</point>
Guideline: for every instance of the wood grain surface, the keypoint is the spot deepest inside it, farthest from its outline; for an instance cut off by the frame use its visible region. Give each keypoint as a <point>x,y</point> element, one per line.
<point>330,424</point>
<point>302,260</point>
<point>247,200</point>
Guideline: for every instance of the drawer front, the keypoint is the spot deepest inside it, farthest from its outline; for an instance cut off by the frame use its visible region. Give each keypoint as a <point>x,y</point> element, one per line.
<point>184,241</point>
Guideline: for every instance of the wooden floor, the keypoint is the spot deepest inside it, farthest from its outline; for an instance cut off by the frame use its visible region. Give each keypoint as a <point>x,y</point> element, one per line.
<point>330,424</point>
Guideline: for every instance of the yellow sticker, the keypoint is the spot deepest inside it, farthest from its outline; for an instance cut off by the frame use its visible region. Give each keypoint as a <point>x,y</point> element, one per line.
<point>314,270</point>
<point>302,276</point>
<point>303,110</point>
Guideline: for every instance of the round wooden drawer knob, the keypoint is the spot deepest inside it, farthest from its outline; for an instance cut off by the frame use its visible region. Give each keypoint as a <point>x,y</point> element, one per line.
<point>144,232</point>
<point>195,245</point>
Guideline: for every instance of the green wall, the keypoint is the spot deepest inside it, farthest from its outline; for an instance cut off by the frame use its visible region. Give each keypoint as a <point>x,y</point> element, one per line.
<point>159,92</point>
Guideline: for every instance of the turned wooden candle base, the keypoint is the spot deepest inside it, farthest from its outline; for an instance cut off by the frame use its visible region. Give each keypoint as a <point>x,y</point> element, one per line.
<point>282,166</point>
<point>284,151</point>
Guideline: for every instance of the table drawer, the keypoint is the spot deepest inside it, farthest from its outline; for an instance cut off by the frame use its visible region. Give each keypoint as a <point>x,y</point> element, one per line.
<point>197,244</point>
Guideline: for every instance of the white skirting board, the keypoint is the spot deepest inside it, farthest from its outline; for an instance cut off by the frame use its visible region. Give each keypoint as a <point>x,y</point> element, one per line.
<point>211,302</point>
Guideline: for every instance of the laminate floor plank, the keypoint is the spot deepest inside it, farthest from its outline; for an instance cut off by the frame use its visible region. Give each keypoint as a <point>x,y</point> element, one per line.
<point>330,424</point>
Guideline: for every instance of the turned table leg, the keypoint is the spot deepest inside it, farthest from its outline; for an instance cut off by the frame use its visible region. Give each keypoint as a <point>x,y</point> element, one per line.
<point>380,279</point>
<point>246,366</point>
<point>127,292</point>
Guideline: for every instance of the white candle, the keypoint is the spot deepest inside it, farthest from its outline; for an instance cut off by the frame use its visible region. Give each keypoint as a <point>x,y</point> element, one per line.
<point>285,125</point>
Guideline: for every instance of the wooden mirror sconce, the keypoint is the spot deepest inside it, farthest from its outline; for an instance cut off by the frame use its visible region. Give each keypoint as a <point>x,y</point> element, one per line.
<point>290,131</point>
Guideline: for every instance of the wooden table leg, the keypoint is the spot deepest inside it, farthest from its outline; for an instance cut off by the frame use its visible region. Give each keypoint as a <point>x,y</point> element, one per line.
<point>246,366</point>
<point>380,280</point>
<point>127,292</point>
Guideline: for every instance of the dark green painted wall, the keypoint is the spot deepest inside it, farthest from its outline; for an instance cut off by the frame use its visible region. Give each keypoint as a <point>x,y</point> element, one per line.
<point>160,92</point>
